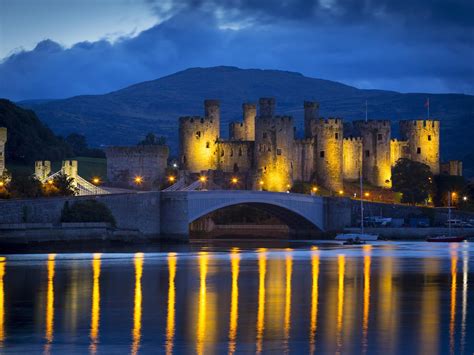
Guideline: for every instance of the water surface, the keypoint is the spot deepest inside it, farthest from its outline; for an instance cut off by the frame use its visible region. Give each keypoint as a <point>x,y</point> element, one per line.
<point>383,298</point>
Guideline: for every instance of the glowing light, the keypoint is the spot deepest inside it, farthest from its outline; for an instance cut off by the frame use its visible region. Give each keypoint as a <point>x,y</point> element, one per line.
<point>2,302</point>
<point>175,165</point>
<point>234,303</point>
<point>96,181</point>
<point>365,318</point>
<point>171,178</point>
<point>201,325</point>
<point>50,182</point>
<point>288,186</point>
<point>138,180</point>
<point>234,180</point>
<point>262,269</point>
<point>341,262</point>
<point>341,192</point>
<point>50,302</point>
<point>452,318</point>
<point>261,182</point>
<point>314,300</point>
<point>170,318</point>
<point>203,178</point>
<point>95,309</point>
<point>366,194</point>
<point>464,198</point>
<point>465,282</point>
<point>430,306</point>
<point>289,271</point>
<point>2,184</point>
<point>314,189</point>
<point>137,307</point>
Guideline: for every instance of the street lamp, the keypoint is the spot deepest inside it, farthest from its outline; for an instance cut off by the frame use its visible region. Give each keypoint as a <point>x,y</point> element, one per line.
<point>171,179</point>
<point>138,180</point>
<point>314,189</point>
<point>341,192</point>
<point>234,180</point>
<point>366,194</point>
<point>96,181</point>
<point>202,178</point>
<point>464,198</point>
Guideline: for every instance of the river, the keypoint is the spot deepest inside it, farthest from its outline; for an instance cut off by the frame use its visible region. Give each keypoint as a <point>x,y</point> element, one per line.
<point>389,297</point>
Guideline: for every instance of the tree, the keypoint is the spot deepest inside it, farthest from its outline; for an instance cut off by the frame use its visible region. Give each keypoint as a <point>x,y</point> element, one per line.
<point>446,184</point>
<point>414,180</point>
<point>25,186</point>
<point>152,139</point>
<point>79,147</point>
<point>87,211</point>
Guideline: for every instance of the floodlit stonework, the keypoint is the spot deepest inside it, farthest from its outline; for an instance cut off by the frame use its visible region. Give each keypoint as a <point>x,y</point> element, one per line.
<point>263,146</point>
<point>3,141</point>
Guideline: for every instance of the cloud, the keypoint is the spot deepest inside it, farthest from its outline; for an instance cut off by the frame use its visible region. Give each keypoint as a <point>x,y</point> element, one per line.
<point>402,45</point>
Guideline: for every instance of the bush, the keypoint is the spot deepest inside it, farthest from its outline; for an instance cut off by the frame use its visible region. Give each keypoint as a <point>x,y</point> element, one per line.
<point>87,211</point>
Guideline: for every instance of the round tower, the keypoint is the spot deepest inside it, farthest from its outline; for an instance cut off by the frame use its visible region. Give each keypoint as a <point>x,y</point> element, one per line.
<point>311,112</point>
<point>376,163</point>
<point>274,138</point>
<point>212,111</point>
<point>266,107</point>
<point>249,113</point>
<point>423,141</point>
<point>329,148</point>
<point>198,143</point>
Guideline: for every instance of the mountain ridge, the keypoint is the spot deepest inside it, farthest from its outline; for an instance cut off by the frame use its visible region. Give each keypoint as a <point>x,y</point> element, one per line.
<point>124,116</point>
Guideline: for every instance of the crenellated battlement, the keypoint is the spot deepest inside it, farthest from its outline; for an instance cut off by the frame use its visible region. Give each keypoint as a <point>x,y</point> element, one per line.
<point>420,124</point>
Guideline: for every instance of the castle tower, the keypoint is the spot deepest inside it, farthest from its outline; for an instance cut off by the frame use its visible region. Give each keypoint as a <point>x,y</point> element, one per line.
<point>198,139</point>
<point>274,139</point>
<point>423,141</point>
<point>376,164</point>
<point>237,131</point>
<point>311,112</point>
<point>352,158</point>
<point>249,113</point>
<point>69,168</point>
<point>3,141</point>
<point>42,169</point>
<point>266,107</point>
<point>329,148</point>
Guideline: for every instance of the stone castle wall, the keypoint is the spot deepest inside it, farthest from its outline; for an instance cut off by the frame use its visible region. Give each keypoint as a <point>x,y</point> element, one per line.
<point>303,159</point>
<point>398,150</point>
<point>235,156</point>
<point>124,164</point>
<point>237,131</point>
<point>329,147</point>
<point>423,141</point>
<point>3,141</point>
<point>352,158</point>
<point>376,159</point>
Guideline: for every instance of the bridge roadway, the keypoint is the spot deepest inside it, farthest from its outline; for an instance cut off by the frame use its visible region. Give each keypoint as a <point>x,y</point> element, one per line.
<point>300,212</point>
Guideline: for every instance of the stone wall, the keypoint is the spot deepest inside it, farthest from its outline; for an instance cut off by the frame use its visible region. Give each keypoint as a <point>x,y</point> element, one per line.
<point>303,159</point>
<point>124,164</point>
<point>237,131</point>
<point>136,211</point>
<point>452,167</point>
<point>352,158</point>
<point>398,150</point>
<point>235,156</point>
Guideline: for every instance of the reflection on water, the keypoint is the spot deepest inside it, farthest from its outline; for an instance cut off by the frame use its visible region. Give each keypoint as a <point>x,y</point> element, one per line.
<point>373,299</point>
<point>137,303</point>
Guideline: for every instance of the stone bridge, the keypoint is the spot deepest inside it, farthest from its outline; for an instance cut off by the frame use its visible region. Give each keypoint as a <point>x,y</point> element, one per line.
<point>302,213</point>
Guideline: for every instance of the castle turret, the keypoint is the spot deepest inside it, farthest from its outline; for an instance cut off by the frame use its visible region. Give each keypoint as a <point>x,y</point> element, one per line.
<point>3,141</point>
<point>69,168</point>
<point>249,113</point>
<point>311,112</point>
<point>423,141</point>
<point>274,139</point>
<point>237,131</point>
<point>329,147</point>
<point>42,169</point>
<point>198,139</point>
<point>266,107</point>
<point>376,151</point>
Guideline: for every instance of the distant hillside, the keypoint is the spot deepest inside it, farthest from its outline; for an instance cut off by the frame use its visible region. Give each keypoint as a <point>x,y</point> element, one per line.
<point>125,116</point>
<point>28,138</point>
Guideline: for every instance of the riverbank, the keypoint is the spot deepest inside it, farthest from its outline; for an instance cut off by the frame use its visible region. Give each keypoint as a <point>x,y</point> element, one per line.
<point>407,233</point>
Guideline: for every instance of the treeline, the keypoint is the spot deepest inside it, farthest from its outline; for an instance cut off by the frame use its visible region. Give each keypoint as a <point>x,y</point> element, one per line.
<point>29,139</point>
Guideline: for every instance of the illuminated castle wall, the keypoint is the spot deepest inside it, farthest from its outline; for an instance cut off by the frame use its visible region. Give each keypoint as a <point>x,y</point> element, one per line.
<point>263,146</point>
<point>3,140</point>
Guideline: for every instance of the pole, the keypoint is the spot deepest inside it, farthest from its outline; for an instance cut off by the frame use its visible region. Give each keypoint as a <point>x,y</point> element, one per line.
<point>449,213</point>
<point>428,107</point>
<point>361,202</point>
<point>366,116</point>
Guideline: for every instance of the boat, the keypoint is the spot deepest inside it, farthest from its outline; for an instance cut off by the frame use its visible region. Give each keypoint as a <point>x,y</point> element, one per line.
<point>446,239</point>
<point>355,241</point>
<point>358,236</point>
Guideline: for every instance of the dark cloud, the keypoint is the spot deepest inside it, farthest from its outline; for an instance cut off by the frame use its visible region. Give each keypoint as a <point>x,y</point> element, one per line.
<point>417,45</point>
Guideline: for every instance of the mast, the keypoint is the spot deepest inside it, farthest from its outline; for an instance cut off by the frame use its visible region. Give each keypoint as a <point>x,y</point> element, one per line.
<point>366,115</point>
<point>449,213</point>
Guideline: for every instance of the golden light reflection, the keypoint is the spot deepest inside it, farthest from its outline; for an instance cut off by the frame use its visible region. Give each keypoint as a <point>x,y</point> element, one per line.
<point>262,270</point>
<point>137,308</point>
<point>429,326</point>
<point>234,302</point>
<point>341,262</point>
<point>365,318</point>
<point>95,309</point>
<point>2,302</point>
<point>289,271</point>
<point>452,317</point>
<point>170,318</point>
<point>465,271</point>
<point>314,301</point>
<point>201,326</point>
<point>50,302</point>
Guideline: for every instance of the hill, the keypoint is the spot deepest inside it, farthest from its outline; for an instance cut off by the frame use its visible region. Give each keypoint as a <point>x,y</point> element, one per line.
<point>126,115</point>
<point>28,138</point>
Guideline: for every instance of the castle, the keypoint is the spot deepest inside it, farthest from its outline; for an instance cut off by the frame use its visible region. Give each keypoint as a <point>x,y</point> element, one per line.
<point>3,141</point>
<point>263,147</point>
